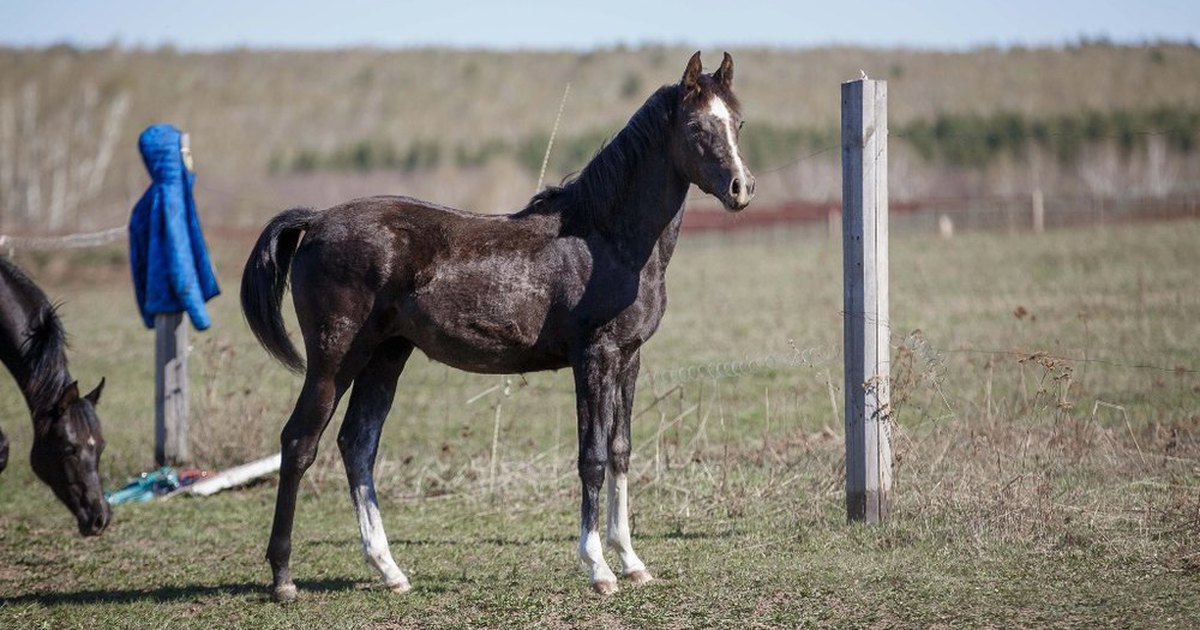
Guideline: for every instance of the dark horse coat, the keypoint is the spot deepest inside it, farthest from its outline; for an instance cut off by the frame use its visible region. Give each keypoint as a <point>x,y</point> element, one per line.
<point>576,279</point>
<point>66,432</point>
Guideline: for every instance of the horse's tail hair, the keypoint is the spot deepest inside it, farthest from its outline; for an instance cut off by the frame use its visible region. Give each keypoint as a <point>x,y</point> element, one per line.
<point>265,279</point>
<point>3,451</point>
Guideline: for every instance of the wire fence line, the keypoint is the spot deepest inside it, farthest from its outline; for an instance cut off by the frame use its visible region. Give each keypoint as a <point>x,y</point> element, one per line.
<point>980,204</point>
<point>1027,355</point>
<point>817,358</point>
<point>82,240</point>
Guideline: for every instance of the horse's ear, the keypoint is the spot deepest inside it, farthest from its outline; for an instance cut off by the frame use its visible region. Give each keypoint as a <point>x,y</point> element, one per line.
<point>724,74</point>
<point>691,75</point>
<point>94,395</point>
<point>69,396</point>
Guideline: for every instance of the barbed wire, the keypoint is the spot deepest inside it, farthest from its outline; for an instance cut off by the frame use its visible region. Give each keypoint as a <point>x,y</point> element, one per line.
<point>103,237</point>
<point>80,240</point>
<point>1179,369</point>
<point>807,358</point>
<point>811,358</point>
<point>801,158</point>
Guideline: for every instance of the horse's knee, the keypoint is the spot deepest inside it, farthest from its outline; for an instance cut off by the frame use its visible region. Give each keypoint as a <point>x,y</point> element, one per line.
<point>620,462</point>
<point>591,471</point>
<point>618,453</point>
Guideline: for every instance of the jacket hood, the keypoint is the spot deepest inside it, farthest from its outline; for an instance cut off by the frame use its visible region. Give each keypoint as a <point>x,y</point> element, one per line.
<point>159,145</point>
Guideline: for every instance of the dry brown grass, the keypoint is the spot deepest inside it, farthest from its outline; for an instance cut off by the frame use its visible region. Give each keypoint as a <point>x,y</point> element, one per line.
<point>245,107</point>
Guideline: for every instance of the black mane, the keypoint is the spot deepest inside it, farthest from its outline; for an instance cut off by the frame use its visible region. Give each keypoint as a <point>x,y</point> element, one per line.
<point>43,357</point>
<point>46,357</point>
<point>594,192</point>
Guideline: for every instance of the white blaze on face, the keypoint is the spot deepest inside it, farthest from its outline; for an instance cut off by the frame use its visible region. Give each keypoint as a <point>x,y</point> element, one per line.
<point>718,109</point>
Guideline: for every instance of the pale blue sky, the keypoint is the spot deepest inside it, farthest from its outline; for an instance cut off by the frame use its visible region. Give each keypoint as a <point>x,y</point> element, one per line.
<point>541,24</point>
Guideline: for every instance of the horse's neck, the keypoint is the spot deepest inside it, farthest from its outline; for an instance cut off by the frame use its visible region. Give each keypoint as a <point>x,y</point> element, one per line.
<point>37,399</point>
<point>643,223</point>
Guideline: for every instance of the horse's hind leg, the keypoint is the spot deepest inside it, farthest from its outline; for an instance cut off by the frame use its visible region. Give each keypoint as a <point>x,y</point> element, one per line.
<point>298,447</point>
<point>358,440</point>
<point>619,537</point>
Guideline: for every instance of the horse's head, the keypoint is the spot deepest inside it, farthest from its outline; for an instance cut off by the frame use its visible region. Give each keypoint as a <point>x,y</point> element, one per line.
<point>66,455</point>
<point>705,139</point>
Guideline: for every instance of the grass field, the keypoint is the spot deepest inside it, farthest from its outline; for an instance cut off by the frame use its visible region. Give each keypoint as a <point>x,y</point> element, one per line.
<point>252,112</point>
<point>1047,468</point>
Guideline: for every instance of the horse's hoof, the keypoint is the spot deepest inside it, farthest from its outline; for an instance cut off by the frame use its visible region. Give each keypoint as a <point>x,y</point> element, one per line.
<point>400,587</point>
<point>604,587</point>
<point>284,593</point>
<point>641,576</point>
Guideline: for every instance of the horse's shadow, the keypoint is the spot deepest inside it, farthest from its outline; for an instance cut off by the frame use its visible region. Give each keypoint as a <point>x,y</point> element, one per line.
<point>259,591</point>
<point>167,594</point>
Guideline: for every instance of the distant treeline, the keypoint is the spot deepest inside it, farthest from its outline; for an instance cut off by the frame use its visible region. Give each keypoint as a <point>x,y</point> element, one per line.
<point>950,139</point>
<point>977,140</point>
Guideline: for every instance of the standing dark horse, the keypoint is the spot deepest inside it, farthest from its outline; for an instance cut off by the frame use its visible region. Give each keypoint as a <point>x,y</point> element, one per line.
<point>66,432</point>
<point>576,279</point>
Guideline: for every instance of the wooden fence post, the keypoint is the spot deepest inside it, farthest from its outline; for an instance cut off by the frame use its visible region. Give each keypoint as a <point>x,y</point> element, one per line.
<point>865,299</point>
<point>170,390</point>
<point>1039,211</point>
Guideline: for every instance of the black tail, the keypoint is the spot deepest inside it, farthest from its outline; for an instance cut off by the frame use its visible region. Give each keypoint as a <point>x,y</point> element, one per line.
<point>265,279</point>
<point>3,451</point>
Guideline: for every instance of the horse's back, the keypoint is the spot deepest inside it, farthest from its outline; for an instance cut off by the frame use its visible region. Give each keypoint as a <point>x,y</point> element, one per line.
<point>395,238</point>
<point>473,291</point>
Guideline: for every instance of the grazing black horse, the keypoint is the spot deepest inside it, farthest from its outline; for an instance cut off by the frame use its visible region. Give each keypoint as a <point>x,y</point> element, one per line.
<point>576,279</point>
<point>66,432</point>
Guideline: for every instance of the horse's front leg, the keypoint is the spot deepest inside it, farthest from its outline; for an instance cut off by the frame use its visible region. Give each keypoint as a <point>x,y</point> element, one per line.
<point>596,391</point>
<point>619,446</point>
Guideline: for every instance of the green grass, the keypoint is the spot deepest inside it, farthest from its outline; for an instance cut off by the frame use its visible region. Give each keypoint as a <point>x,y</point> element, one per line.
<point>1015,504</point>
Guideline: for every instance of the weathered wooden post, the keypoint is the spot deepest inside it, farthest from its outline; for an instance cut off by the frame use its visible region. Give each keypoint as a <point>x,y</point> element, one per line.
<point>865,299</point>
<point>1037,203</point>
<point>170,372</point>
<point>170,390</point>
<point>172,275</point>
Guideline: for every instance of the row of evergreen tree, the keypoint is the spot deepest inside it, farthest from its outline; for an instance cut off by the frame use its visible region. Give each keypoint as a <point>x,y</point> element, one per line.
<point>950,139</point>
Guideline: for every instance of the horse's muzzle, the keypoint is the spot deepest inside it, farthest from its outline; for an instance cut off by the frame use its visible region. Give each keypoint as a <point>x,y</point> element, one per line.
<point>93,521</point>
<point>739,194</point>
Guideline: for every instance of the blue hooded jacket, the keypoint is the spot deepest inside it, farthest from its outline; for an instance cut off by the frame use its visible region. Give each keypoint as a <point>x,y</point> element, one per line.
<point>171,269</point>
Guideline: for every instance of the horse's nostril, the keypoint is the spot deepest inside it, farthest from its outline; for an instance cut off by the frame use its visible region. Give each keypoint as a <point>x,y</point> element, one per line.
<point>736,187</point>
<point>752,186</point>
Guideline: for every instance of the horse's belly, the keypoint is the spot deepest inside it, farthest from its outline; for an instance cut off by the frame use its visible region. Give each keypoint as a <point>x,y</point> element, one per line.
<point>485,346</point>
<point>496,325</point>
